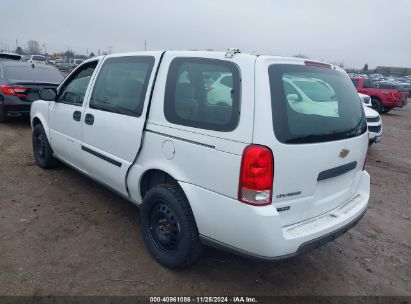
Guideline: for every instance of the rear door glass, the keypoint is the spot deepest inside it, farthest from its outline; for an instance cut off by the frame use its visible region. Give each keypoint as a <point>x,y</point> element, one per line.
<point>312,104</point>
<point>203,93</point>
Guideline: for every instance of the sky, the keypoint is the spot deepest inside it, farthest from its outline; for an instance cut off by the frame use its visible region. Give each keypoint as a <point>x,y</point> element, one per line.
<point>353,32</point>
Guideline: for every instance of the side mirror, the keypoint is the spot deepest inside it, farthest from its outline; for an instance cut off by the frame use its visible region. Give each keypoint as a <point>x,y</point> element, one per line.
<point>48,94</point>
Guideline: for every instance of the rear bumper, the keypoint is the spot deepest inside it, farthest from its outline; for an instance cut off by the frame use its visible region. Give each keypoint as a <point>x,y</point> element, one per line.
<point>257,232</point>
<point>303,248</point>
<point>14,107</point>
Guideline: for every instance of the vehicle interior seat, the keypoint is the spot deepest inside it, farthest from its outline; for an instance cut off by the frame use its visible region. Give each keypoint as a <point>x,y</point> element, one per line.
<point>185,104</point>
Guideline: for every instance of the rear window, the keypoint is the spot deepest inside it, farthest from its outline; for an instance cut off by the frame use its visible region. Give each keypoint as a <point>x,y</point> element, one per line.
<point>37,74</point>
<point>203,93</point>
<point>313,104</point>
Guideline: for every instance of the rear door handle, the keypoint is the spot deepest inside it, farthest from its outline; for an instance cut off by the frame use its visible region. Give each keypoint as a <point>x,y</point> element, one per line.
<point>89,119</point>
<point>77,115</point>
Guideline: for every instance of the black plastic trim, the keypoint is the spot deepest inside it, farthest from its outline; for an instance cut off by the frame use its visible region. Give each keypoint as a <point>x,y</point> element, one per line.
<point>182,139</point>
<point>337,171</point>
<point>103,157</point>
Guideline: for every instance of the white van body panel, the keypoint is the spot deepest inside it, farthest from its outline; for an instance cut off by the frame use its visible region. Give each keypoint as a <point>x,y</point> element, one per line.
<point>206,163</point>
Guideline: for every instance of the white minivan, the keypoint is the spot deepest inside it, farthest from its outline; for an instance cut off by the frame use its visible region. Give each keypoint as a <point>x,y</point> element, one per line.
<point>268,162</point>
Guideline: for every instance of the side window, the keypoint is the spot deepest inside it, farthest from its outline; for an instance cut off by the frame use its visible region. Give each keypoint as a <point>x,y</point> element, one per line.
<point>355,82</point>
<point>121,85</point>
<point>203,93</point>
<point>75,88</point>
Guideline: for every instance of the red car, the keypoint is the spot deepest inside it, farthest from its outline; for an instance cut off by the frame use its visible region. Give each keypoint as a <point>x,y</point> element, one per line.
<point>383,99</point>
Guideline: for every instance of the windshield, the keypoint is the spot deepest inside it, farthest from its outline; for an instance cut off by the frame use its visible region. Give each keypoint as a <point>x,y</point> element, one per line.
<point>314,104</point>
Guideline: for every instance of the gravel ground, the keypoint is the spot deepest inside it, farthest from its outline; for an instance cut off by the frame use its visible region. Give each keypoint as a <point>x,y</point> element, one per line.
<point>62,234</point>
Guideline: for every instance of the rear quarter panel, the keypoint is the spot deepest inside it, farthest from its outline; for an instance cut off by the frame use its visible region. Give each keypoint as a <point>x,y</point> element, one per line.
<point>205,158</point>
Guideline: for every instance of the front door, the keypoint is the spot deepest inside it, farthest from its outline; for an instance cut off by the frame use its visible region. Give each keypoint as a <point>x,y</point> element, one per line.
<point>66,114</point>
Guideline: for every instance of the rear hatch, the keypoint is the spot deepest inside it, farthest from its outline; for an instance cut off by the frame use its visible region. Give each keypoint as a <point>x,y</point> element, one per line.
<point>319,141</point>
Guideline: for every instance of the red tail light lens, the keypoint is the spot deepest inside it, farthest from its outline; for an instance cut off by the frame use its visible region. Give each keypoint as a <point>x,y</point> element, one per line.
<point>14,91</point>
<point>256,176</point>
<point>365,161</point>
<point>395,95</point>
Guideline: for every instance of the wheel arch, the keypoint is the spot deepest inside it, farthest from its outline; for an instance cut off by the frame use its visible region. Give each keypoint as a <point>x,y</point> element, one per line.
<point>154,177</point>
<point>38,119</point>
<point>39,114</point>
<point>375,97</point>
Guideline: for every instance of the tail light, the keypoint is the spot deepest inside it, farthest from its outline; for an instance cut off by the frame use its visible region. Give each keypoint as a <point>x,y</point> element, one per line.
<point>365,161</point>
<point>395,95</point>
<point>256,176</point>
<point>13,91</point>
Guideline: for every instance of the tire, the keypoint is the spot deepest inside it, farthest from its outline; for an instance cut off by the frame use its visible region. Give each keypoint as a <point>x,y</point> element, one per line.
<point>376,105</point>
<point>43,153</point>
<point>168,227</point>
<point>3,115</point>
<point>386,110</point>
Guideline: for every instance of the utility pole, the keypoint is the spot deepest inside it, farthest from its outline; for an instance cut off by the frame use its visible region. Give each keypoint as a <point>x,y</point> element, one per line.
<point>145,45</point>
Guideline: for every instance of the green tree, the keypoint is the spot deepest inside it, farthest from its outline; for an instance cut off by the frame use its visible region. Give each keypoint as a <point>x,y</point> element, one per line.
<point>365,68</point>
<point>69,54</point>
<point>19,51</point>
<point>33,47</point>
<point>92,55</point>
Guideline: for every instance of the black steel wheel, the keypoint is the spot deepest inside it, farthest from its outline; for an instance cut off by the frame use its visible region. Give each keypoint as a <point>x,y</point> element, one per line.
<point>376,105</point>
<point>42,151</point>
<point>3,115</point>
<point>169,228</point>
<point>164,227</point>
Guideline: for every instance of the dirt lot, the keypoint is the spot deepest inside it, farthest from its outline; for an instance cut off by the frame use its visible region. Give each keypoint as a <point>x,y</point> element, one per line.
<point>62,234</point>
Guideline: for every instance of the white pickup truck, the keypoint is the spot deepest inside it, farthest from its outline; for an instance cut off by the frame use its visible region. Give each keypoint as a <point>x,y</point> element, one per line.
<point>267,162</point>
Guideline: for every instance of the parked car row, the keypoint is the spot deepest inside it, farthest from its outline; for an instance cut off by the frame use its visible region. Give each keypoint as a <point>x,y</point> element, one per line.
<point>384,97</point>
<point>386,92</point>
<point>67,64</point>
